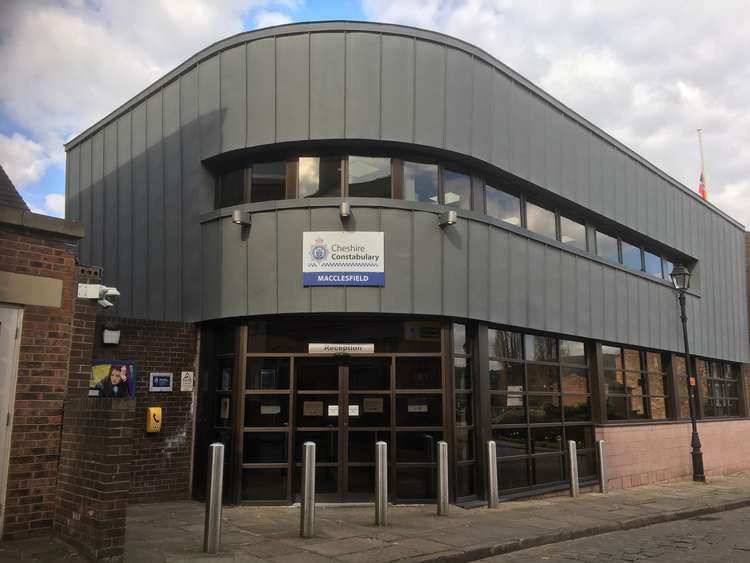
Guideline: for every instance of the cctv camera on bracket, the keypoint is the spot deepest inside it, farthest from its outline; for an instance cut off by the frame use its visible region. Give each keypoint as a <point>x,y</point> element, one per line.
<point>104,295</point>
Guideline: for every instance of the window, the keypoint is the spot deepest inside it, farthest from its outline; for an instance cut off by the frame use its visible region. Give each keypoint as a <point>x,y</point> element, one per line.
<point>631,256</point>
<point>606,247</point>
<point>319,176</point>
<point>635,384</point>
<point>680,379</point>
<point>502,205</point>
<point>572,233</point>
<point>540,220</point>
<point>231,188</point>
<point>268,181</point>
<point>465,449</point>
<point>719,388</point>
<point>668,266</point>
<point>539,399</point>
<point>652,264</point>
<point>369,176</point>
<point>421,182</point>
<point>457,189</point>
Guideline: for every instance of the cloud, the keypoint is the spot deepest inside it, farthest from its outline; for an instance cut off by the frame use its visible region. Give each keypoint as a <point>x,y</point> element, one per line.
<point>65,64</point>
<point>267,19</point>
<point>55,203</point>
<point>22,159</point>
<point>649,73</point>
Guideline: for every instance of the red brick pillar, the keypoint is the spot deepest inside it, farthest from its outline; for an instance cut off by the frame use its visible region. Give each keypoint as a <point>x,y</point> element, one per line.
<point>93,481</point>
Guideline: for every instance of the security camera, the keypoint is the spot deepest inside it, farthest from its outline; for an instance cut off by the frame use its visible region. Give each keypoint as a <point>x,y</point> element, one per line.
<point>109,292</point>
<point>104,295</point>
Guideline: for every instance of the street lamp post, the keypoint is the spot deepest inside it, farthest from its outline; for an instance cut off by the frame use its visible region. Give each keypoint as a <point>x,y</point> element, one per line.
<point>681,281</point>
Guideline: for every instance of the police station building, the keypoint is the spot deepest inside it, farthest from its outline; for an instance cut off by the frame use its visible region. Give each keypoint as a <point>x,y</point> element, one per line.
<point>368,232</point>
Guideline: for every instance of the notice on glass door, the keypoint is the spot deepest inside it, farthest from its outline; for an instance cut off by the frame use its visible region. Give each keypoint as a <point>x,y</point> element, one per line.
<point>312,408</point>
<point>372,405</point>
<point>333,410</point>
<point>353,410</point>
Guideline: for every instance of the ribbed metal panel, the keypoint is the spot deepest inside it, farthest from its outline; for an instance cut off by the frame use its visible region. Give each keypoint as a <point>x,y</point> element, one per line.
<point>137,182</point>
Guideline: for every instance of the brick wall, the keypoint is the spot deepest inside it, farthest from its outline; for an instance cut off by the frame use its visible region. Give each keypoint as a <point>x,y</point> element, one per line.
<point>41,381</point>
<point>642,454</point>
<point>94,475</point>
<point>161,462</point>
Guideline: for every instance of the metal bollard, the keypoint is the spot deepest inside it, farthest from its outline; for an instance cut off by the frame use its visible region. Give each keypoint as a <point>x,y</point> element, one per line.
<point>601,454</point>
<point>573,468</point>
<point>212,525</point>
<point>442,482</point>
<point>381,484</point>
<point>307,507</point>
<point>492,498</point>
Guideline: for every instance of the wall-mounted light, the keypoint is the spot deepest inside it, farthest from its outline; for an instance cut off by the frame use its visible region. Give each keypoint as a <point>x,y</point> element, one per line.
<point>345,210</point>
<point>241,218</point>
<point>447,218</point>
<point>111,333</point>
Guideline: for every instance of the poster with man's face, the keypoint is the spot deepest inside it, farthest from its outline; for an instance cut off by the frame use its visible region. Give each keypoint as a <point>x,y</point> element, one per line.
<point>112,378</point>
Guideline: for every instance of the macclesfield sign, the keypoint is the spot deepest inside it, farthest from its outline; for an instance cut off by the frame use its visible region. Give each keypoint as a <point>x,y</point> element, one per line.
<point>343,258</point>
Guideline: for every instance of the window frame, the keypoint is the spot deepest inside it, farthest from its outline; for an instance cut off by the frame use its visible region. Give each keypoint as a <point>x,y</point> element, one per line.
<point>646,397</point>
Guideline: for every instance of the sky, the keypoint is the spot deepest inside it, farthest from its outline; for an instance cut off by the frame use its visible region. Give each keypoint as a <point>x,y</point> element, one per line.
<point>648,73</point>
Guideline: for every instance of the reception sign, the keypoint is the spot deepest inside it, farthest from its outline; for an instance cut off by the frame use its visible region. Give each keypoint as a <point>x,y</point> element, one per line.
<point>341,258</point>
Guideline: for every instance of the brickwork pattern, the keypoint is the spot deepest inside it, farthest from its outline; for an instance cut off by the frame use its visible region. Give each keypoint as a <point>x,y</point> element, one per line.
<point>94,476</point>
<point>41,381</point>
<point>643,454</point>
<point>161,462</point>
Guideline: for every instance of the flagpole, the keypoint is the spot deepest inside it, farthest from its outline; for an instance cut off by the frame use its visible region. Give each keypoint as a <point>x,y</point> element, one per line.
<point>700,147</point>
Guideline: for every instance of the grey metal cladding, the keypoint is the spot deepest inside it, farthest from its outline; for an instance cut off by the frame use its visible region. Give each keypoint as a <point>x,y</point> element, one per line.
<point>292,87</point>
<point>261,91</point>
<point>137,182</point>
<point>363,85</point>
<point>124,208</point>
<point>233,98</point>
<point>397,89</point>
<point>327,85</point>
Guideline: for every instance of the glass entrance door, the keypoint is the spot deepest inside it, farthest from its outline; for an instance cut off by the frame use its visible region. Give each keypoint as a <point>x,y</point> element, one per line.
<point>344,406</point>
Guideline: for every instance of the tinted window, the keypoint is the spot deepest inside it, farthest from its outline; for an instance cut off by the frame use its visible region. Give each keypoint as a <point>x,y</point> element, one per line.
<point>457,190</point>
<point>540,220</point>
<point>319,177</point>
<point>573,233</point>
<point>606,247</point>
<point>668,270</point>
<point>631,256</point>
<point>421,182</point>
<point>652,264</point>
<point>268,181</point>
<point>503,206</point>
<point>369,176</point>
<point>232,188</point>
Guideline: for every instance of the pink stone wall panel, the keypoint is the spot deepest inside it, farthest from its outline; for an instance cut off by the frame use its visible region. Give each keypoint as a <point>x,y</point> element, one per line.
<point>639,455</point>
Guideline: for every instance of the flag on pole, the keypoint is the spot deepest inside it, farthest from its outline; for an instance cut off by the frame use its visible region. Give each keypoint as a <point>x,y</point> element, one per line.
<point>702,188</point>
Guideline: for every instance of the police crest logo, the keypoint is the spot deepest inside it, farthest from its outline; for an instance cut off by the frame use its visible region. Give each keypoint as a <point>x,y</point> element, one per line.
<point>319,250</point>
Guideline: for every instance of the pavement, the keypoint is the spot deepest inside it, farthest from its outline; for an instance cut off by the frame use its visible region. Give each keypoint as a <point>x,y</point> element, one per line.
<point>346,533</point>
<point>713,538</point>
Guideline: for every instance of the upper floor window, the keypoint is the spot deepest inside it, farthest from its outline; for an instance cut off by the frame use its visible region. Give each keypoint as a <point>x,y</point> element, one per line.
<point>652,264</point>
<point>319,176</point>
<point>421,182</point>
<point>427,182</point>
<point>540,220</point>
<point>572,232</point>
<point>369,176</point>
<point>268,181</point>
<point>457,190</point>
<point>502,205</point>
<point>631,256</point>
<point>606,247</point>
<point>231,189</point>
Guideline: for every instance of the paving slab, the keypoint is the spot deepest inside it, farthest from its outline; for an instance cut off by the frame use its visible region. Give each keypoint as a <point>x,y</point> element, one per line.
<point>174,531</point>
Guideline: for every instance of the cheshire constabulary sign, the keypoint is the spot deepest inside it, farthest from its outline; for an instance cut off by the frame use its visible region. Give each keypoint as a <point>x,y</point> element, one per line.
<point>343,258</point>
